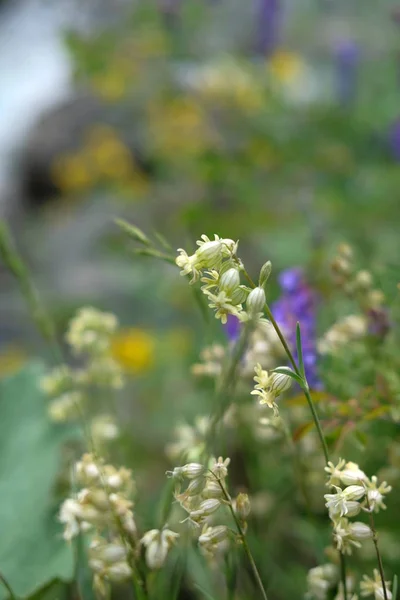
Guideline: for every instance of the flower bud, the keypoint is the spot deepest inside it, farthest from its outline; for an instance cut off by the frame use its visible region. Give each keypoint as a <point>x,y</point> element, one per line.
<point>265,273</point>
<point>352,474</point>
<point>209,254</point>
<point>363,280</point>
<point>242,506</point>
<point>354,492</point>
<point>213,535</point>
<point>229,281</point>
<point>360,531</point>
<point>212,490</point>
<point>190,471</point>
<point>279,383</point>
<point>255,301</point>
<point>206,508</point>
<point>119,572</point>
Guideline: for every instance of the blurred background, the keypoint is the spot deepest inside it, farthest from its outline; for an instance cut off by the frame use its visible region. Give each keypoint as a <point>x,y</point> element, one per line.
<point>273,121</point>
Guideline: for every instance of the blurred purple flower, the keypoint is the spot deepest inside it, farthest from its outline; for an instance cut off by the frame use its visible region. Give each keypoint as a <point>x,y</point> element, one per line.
<point>394,140</point>
<point>268,21</point>
<point>347,56</point>
<point>232,328</point>
<point>298,304</point>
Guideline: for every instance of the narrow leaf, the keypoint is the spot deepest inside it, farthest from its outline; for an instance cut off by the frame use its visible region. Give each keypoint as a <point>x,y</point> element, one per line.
<point>133,232</point>
<point>394,588</point>
<point>288,371</point>
<point>164,243</point>
<point>299,350</point>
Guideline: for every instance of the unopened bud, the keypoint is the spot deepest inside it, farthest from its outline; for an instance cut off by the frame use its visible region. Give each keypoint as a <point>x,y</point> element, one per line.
<point>265,273</point>
<point>279,383</point>
<point>242,506</point>
<point>206,508</point>
<point>360,531</point>
<point>229,281</point>
<point>255,301</point>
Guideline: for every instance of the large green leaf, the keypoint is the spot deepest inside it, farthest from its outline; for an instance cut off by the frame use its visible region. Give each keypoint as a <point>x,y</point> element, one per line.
<point>32,551</point>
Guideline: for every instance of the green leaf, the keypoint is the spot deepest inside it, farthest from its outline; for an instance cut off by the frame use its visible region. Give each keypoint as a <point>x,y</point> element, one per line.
<point>289,372</point>
<point>32,551</point>
<point>299,350</point>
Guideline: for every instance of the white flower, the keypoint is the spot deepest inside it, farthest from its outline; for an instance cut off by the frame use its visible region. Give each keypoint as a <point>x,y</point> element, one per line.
<point>320,580</point>
<point>335,472</point>
<point>157,545</point>
<point>69,515</point>
<point>223,305</point>
<point>337,503</point>
<point>343,537</point>
<point>189,265</point>
<point>90,330</point>
<point>375,494</point>
<point>220,467</point>
<point>370,587</point>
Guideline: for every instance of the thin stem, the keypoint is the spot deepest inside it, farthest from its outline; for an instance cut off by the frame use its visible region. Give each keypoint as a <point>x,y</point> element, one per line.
<point>17,267</point>
<point>242,536</point>
<point>282,339</point>
<point>316,421</point>
<point>343,574</point>
<point>8,587</point>
<point>378,554</point>
<point>227,383</point>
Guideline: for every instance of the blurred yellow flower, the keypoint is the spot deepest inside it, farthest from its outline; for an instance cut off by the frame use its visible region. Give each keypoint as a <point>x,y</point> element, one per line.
<point>285,66</point>
<point>72,173</point>
<point>110,156</point>
<point>12,357</point>
<point>179,127</point>
<point>232,83</point>
<point>134,349</point>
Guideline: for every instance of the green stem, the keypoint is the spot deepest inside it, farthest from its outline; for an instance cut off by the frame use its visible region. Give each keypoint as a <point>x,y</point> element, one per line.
<point>343,574</point>
<point>378,554</point>
<point>317,422</point>
<point>242,536</point>
<point>227,383</point>
<point>17,267</point>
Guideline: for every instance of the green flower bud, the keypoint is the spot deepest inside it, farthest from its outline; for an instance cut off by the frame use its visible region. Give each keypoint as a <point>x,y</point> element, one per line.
<point>255,301</point>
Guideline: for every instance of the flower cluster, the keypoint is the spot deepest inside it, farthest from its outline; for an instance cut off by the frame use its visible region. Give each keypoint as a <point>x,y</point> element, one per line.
<point>103,506</point>
<point>269,386</point>
<point>204,494</point>
<point>344,331</point>
<point>189,440</point>
<point>89,333</point>
<point>354,492</point>
<point>359,285</point>
<point>215,262</point>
